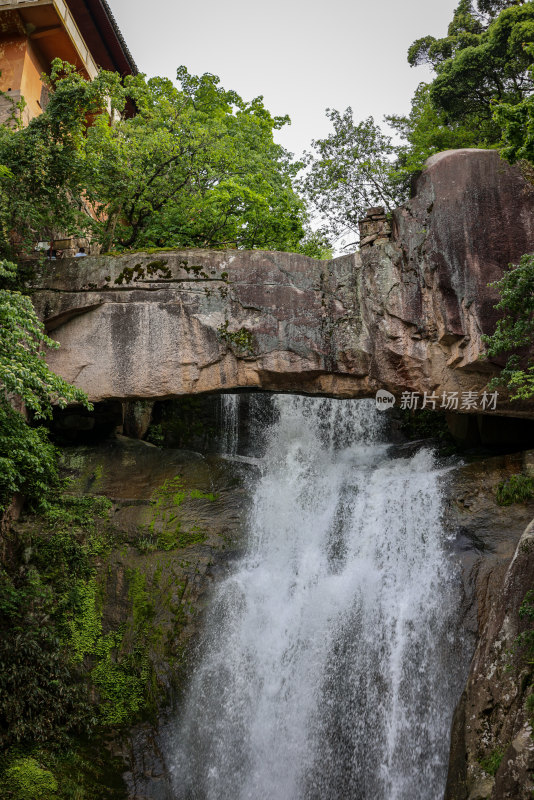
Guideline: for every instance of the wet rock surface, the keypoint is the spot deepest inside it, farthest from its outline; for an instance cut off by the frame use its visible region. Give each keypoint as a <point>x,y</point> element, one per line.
<point>179,540</point>
<point>492,750</point>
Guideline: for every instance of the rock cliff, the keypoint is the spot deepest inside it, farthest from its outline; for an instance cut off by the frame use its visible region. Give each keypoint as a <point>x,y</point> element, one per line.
<point>405,313</point>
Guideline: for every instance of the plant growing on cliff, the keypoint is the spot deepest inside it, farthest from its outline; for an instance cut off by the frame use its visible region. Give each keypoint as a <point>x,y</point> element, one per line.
<point>517,489</point>
<point>492,762</point>
<point>29,781</point>
<point>515,330</point>
<point>525,644</point>
<point>242,339</point>
<point>27,459</point>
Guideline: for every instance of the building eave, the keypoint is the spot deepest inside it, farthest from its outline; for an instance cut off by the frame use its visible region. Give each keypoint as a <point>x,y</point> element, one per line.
<point>102,33</point>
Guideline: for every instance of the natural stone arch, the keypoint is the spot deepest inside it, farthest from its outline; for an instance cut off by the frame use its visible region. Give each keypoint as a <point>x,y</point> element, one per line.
<point>405,314</point>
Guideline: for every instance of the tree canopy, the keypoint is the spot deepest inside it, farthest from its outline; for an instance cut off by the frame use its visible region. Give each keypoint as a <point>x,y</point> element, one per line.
<point>350,170</point>
<point>481,65</point>
<point>196,166</point>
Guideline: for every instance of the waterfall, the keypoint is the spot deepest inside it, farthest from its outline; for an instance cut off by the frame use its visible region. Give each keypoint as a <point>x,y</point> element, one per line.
<point>229,425</point>
<point>331,659</point>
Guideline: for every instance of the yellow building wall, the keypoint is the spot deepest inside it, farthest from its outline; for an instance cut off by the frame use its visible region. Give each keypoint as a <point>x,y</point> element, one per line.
<point>12,58</point>
<point>32,85</point>
<point>21,71</point>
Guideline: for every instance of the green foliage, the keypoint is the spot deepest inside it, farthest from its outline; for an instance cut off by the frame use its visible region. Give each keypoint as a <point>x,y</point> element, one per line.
<point>351,169</point>
<point>482,91</point>
<point>197,166</point>
<point>316,244</point>
<point>28,461</point>
<point>483,85</point>
<point>44,190</point>
<point>42,699</point>
<point>242,339</point>
<point>23,369</point>
<point>517,489</point>
<point>427,130</point>
<point>54,650</point>
<point>165,528</point>
<point>517,123</point>
<point>27,780</point>
<point>121,680</point>
<point>515,329</point>
<point>85,626</point>
<point>121,667</point>
<point>492,762</point>
<point>88,772</point>
<point>486,66</point>
<point>48,623</point>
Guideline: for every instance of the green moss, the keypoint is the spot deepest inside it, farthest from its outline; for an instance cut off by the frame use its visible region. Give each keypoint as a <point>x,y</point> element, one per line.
<point>120,679</point>
<point>196,494</point>
<point>140,272</point>
<point>492,762</point>
<point>242,339</point>
<point>517,489</point>
<point>27,780</point>
<point>85,626</point>
<point>165,530</point>
<point>121,665</point>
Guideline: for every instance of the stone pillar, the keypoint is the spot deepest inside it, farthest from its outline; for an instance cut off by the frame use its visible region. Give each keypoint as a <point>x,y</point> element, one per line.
<point>374,227</point>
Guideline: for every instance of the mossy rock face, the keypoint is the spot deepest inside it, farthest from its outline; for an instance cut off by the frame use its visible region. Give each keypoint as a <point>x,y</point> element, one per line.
<point>124,562</point>
<point>173,513</point>
<point>27,780</point>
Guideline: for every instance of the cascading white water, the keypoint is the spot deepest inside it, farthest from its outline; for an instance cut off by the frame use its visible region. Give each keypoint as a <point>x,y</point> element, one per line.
<point>229,424</point>
<point>331,660</point>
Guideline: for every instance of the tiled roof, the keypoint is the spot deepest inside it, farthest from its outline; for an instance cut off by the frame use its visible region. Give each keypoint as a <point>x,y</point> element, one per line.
<point>120,37</point>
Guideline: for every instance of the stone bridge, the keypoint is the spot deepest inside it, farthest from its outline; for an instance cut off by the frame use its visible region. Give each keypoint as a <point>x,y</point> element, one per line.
<point>406,313</point>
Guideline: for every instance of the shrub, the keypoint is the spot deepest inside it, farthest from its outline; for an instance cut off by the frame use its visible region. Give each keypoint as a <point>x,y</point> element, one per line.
<point>517,489</point>
<point>28,781</point>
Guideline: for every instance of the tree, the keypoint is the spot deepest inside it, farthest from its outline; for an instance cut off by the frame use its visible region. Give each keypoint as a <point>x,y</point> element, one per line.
<point>351,169</point>
<point>517,124</point>
<point>196,166</point>
<point>482,72</point>
<point>43,187</point>
<point>494,68</point>
<point>27,459</point>
<point>515,330</point>
<point>427,130</point>
<point>463,31</point>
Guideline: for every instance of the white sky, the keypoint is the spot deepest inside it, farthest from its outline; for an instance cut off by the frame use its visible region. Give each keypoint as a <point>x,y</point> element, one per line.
<point>301,56</point>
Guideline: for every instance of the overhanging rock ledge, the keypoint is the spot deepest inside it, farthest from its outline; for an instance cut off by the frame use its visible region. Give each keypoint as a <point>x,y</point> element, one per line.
<point>405,314</point>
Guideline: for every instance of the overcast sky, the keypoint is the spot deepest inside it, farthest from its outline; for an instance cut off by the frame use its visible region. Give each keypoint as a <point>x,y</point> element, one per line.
<point>301,56</point>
